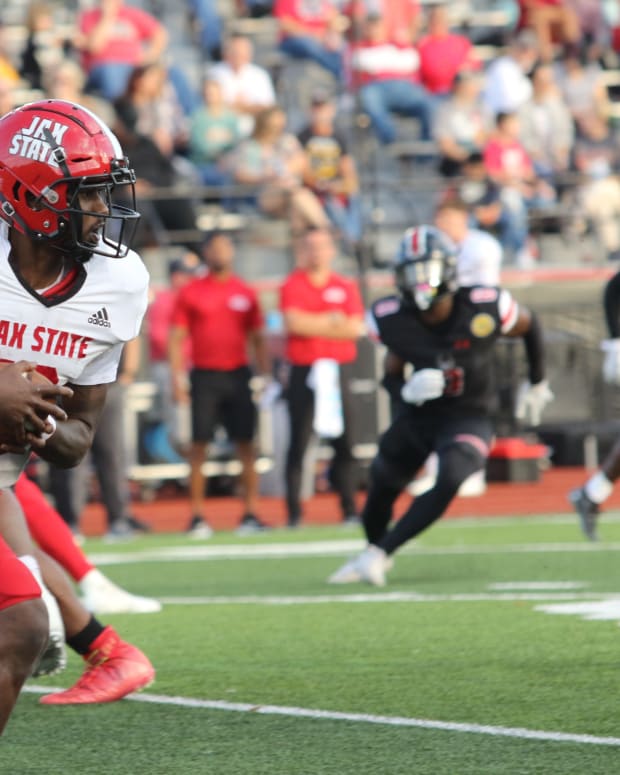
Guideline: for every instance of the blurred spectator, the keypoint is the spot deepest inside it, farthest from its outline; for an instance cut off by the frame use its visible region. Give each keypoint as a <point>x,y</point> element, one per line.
<point>7,96</point>
<point>246,87</point>
<point>209,26</point>
<point>323,318</point>
<point>273,160</point>
<point>66,81</point>
<point>462,123</point>
<point>597,158</point>
<point>552,21</point>
<point>509,165</point>
<point>115,38</point>
<point>479,254</point>
<point>507,85</point>
<point>311,30</point>
<point>215,129</point>
<point>402,18</point>
<point>162,215</point>
<point>443,53</point>
<point>8,73</point>
<point>331,173</point>
<point>387,77</point>
<point>149,105</point>
<point>161,440</point>
<point>582,86</point>
<point>547,129</point>
<point>44,46</point>
<point>108,456</point>
<point>483,197</point>
<point>221,316</point>
<point>591,20</point>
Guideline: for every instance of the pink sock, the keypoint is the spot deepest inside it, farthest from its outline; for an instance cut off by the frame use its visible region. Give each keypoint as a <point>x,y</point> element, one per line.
<point>49,529</point>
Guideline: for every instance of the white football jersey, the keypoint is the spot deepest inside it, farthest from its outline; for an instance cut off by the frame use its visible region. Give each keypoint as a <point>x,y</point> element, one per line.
<point>77,338</point>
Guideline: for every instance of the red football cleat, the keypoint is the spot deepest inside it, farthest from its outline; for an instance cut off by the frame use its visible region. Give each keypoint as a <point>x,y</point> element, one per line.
<point>114,670</point>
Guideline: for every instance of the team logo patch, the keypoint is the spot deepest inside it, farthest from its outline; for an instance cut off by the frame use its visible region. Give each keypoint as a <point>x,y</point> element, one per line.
<point>100,318</point>
<point>387,307</point>
<point>41,141</point>
<point>335,295</point>
<point>239,303</point>
<point>483,295</point>
<point>482,325</point>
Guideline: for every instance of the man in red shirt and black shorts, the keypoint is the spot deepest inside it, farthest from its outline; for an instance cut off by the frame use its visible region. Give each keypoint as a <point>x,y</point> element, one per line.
<point>323,317</point>
<point>221,315</point>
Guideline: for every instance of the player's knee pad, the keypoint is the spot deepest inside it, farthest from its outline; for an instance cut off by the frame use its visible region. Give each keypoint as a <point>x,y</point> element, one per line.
<point>386,473</point>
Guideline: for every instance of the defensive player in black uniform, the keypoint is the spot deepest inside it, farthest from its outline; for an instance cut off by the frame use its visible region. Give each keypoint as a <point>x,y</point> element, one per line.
<point>445,335</point>
<point>587,500</point>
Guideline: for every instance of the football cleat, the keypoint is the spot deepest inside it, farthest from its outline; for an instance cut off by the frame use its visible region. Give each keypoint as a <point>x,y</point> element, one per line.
<point>370,566</point>
<point>114,669</point>
<point>587,511</point>
<point>102,596</point>
<point>199,528</point>
<point>250,524</point>
<point>53,659</point>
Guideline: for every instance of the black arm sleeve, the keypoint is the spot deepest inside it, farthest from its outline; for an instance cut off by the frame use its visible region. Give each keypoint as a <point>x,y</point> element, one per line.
<point>535,351</point>
<point>611,304</point>
<point>393,384</point>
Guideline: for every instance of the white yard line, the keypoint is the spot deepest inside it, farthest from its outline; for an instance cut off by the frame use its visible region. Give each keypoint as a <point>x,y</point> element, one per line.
<point>386,597</point>
<point>519,733</point>
<point>330,549</point>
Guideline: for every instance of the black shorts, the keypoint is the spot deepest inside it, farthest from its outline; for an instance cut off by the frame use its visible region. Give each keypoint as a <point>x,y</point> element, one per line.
<point>222,398</point>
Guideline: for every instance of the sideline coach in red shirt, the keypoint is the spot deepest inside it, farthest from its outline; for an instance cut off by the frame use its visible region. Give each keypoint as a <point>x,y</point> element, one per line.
<point>222,317</point>
<point>323,317</point>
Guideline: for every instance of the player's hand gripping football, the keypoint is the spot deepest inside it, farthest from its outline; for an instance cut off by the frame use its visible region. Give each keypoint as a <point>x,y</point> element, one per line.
<point>532,400</point>
<point>27,401</point>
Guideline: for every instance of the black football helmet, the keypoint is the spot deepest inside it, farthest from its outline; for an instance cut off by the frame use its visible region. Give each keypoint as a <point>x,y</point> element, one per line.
<point>425,266</point>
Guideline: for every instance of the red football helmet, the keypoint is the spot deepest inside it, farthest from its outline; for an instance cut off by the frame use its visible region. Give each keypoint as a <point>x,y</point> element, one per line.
<point>51,153</point>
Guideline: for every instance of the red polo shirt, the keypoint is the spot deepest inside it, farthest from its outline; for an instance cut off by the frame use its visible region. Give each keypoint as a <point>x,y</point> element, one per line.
<point>219,315</point>
<point>337,294</point>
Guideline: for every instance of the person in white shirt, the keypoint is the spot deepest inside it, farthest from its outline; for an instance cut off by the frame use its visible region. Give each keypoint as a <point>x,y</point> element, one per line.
<point>507,86</point>
<point>246,87</point>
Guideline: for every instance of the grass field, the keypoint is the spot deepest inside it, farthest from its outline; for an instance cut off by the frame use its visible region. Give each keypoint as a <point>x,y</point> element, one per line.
<point>453,669</point>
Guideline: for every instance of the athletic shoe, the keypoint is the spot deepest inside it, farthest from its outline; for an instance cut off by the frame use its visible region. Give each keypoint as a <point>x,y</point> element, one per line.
<point>138,526</point>
<point>351,520</point>
<point>102,596</point>
<point>54,657</point>
<point>587,510</point>
<point>119,531</point>
<point>114,670</point>
<point>249,524</point>
<point>370,566</point>
<point>199,528</point>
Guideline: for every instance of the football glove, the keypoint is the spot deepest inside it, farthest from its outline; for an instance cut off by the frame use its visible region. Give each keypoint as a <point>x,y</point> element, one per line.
<point>532,400</point>
<point>611,361</point>
<point>423,385</point>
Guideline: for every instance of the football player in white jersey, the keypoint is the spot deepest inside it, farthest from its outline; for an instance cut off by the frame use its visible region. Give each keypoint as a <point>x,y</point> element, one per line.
<point>71,294</point>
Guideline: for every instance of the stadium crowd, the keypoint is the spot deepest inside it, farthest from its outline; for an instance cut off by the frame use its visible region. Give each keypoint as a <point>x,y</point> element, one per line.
<point>506,103</point>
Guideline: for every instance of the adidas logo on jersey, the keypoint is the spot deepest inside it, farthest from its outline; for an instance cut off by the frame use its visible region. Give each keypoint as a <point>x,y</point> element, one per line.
<point>100,318</point>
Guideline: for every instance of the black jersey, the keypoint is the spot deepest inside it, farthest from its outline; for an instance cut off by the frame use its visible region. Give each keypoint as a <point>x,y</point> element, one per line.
<point>461,346</point>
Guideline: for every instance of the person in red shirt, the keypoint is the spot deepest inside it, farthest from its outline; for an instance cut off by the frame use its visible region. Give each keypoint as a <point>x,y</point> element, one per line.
<point>114,39</point>
<point>221,315</point>
<point>443,53</point>
<point>386,75</point>
<point>323,317</point>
